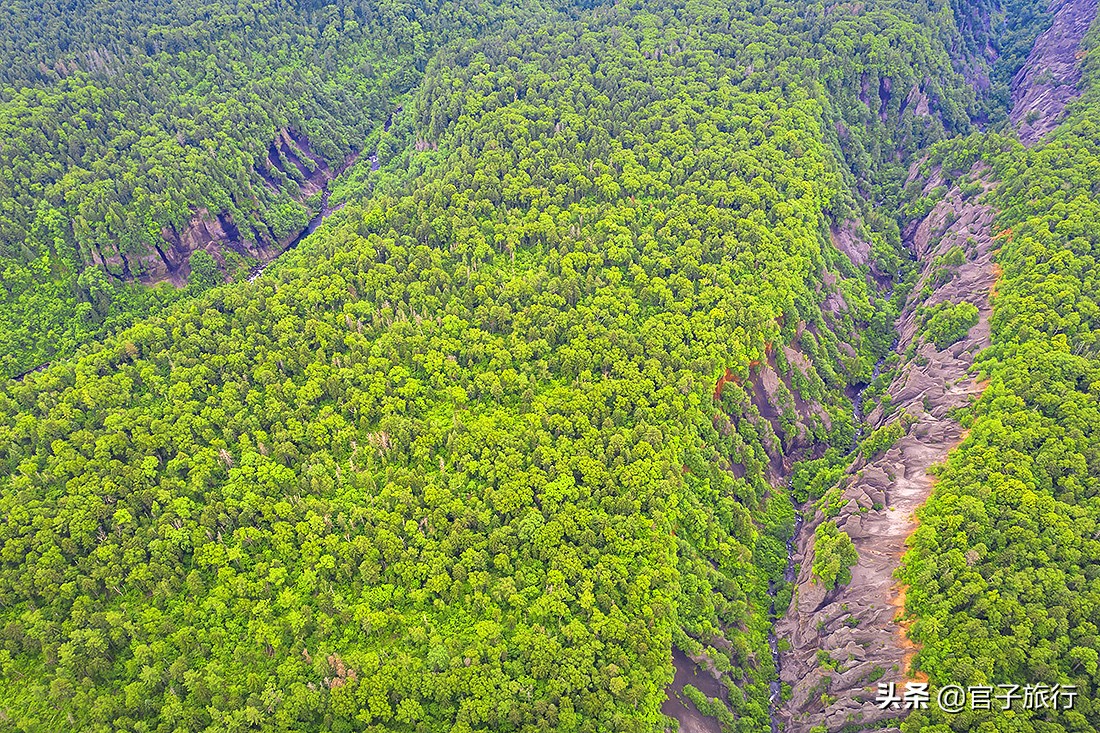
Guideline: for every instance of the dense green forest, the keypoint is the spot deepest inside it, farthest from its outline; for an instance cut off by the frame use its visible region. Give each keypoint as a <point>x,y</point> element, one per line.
<point>122,122</point>
<point>513,423</point>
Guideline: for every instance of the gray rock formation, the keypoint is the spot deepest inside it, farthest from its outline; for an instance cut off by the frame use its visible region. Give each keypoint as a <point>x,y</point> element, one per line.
<point>171,261</point>
<point>857,624</point>
<point>1047,81</point>
<point>289,154</point>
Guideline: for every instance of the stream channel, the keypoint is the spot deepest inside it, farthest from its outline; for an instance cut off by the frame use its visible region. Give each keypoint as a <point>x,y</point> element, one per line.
<point>325,210</point>
<point>789,575</point>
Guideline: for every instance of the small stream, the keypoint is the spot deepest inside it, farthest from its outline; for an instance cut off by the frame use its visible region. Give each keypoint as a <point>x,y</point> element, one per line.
<point>325,210</point>
<point>776,685</point>
<point>857,404</point>
<point>323,213</point>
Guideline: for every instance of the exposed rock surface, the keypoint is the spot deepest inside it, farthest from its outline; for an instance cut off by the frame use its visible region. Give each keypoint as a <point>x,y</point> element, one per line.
<point>790,424</point>
<point>848,240</point>
<point>856,623</point>
<point>1048,79</point>
<point>171,261</point>
<point>290,164</point>
<point>678,706</point>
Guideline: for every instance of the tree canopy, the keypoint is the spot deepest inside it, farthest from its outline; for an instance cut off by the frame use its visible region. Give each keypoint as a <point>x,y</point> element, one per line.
<point>507,428</point>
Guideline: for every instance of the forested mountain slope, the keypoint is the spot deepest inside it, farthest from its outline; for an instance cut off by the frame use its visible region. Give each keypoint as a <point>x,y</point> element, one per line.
<point>137,133</point>
<point>1005,568</point>
<point>842,636</point>
<point>1000,589</point>
<point>517,422</point>
<point>468,435</point>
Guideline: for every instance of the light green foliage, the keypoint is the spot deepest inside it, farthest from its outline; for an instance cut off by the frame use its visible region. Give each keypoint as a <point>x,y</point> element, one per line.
<point>825,660</point>
<point>457,463</point>
<point>834,555</point>
<point>810,479</point>
<point>882,439</point>
<point>945,266</point>
<point>948,323</point>
<point>464,440</point>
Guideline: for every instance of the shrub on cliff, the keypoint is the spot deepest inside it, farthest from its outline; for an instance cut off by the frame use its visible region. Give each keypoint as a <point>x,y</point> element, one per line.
<point>948,323</point>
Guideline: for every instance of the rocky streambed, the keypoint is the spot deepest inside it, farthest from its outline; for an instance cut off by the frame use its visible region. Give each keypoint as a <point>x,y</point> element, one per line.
<point>857,625</point>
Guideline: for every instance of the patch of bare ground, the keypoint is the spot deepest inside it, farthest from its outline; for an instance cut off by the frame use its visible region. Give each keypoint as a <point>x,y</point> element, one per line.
<point>861,625</point>
<point>679,707</point>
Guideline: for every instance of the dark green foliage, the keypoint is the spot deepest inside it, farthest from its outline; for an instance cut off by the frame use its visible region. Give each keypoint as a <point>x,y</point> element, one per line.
<point>204,271</point>
<point>121,121</point>
<point>1005,32</point>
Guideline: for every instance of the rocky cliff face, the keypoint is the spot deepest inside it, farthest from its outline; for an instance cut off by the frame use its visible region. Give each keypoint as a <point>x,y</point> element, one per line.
<point>215,234</point>
<point>1048,79</point>
<point>290,165</point>
<point>860,626</point>
<point>793,425</point>
<point>857,624</point>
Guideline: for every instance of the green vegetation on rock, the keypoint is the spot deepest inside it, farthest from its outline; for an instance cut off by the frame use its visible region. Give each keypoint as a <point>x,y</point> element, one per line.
<point>948,323</point>
<point>834,555</point>
<point>511,425</point>
<point>1004,573</point>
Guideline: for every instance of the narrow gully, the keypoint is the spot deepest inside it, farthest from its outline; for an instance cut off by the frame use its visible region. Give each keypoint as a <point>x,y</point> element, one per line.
<point>776,686</point>
<point>789,575</point>
<point>325,211</point>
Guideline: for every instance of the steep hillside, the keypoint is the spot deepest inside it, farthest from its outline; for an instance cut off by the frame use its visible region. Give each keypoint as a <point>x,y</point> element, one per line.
<point>135,134</point>
<point>1049,78</point>
<point>493,443</point>
<point>1004,571</point>
<point>843,638</point>
<point>979,594</point>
